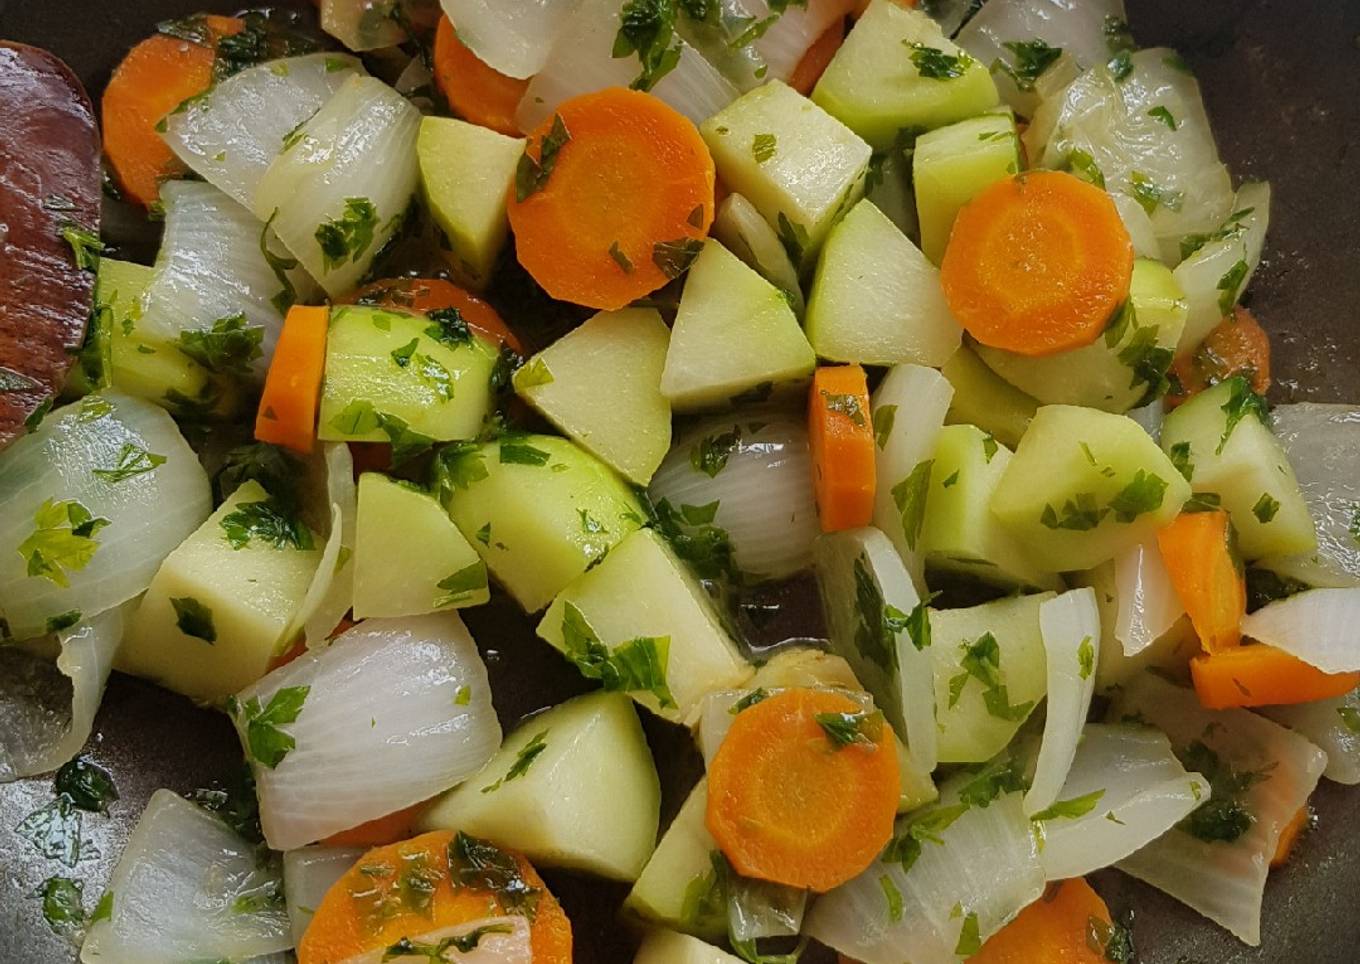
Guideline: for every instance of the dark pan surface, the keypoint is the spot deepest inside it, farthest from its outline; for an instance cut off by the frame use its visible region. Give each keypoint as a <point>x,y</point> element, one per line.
<point>1280,79</point>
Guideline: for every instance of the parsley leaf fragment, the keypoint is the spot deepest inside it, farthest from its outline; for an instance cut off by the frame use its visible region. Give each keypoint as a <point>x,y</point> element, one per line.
<point>266,743</point>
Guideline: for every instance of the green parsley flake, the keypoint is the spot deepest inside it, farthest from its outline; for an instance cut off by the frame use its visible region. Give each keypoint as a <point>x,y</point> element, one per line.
<point>87,785</point>
<point>270,521</point>
<point>133,460</point>
<point>1242,401</point>
<point>884,417</point>
<point>348,237</point>
<point>85,245</point>
<point>1032,58</point>
<point>844,729</point>
<point>1180,458</point>
<point>921,828</point>
<point>62,905</point>
<point>638,665</point>
<point>1086,658</point>
<point>1070,809</point>
<point>62,540</point>
<point>893,896</point>
<point>524,759</point>
<point>532,173</point>
<point>909,496</point>
<point>763,147</point>
<point>1165,116</point>
<point>66,620</point>
<point>462,585</point>
<point>479,865</point>
<point>1150,196</point>
<point>970,940</point>
<point>1230,287</point>
<point>266,743</point>
<point>620,258</point>
<point>710,454</point>
<point>675,257</point>
<point>229,347</point>
<point>194,619</point>
<point>935,64</point>
<point>1265,508</point>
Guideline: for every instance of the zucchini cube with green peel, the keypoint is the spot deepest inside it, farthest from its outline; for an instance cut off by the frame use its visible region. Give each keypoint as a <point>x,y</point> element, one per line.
<point>797,164</point>
<point>897,71</point>
<point>1085,484</point>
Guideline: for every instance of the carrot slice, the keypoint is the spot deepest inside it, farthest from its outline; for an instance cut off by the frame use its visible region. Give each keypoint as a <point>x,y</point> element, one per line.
<point>1238,346</point>
<point>380,831</point>
<point>292,389</point>
<point>475,91</point>
<point>1208,581</point>
<point>789,800</point>
<point>1261,675</point>
<point>1037,263</point>
<point>1290,836</point>
<point>1070,924</point>
<point>431,294</point>
<point>815,59</point>
<point>612,197</point>
<point>425,884</point>
<point>841,438</point>
<point>155,77</point>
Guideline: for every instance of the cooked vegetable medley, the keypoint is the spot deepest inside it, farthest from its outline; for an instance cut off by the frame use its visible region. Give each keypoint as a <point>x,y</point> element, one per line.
<point>639,314</point>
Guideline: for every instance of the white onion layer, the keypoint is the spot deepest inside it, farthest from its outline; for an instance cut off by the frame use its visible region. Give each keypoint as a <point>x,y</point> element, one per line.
<point>514,38</point>
<point>1323,446</point>
<point>1147,602</point>
<point>354,162</point>
<point>308,873</point>
<point>1144,791</point>
<point>1223,881</point>
<point>211,267</point>
<point>149,514</point>
<point>918,398</point>
<point>176,890</point>
<point>764,490</point>
<point>986,864</point>
<point>386,690</point>
<point>1320,627</point>
<point>1070,626</point>
<point>39,731</point>
<point>582,61</point>
<point>1334,725</point>
<point>332,590</point>
<point>796,29</point>
<point>1200,275</point>
<point>231,134</point>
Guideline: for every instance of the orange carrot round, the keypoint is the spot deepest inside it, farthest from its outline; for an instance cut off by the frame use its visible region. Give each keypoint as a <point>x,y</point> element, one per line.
<point>612,196</point>
<point>476,92</point>
<point>1261,675</point>
<point>1037,263</point>
<point>1198,556</point>
<point>1290,836</point>
<point>292,388</point>
<point>430,294</point>
<point>841,438</point>
<point>1238,346</point>
<point>815,59</point>
<point>381,830</point>
<point>155,77</point>
<point>375,904</point>
<point>791,802</point>
<point>1070,924</point>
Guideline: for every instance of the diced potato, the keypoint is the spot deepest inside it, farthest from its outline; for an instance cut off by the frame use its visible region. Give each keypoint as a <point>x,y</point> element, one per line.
<point>668,947</point>
<point>951,165</point>
<point>985,399</point>
<point>681,864</point>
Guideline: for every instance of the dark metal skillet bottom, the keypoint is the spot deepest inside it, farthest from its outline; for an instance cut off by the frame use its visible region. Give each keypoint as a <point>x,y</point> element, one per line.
<point>1279,78</point>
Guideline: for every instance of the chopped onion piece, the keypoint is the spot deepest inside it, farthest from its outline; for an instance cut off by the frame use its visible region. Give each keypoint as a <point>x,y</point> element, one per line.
<point>869,602</point>
<point>308,873</point>
<point>1320,627</point>
<point>389,690</point>
<point>908,413</point>
<point>342,189</point>
<point>41,727</point>
<point>1147,602</point>
<point>757,909</point>
<point>107,457</point>
<point>1077,29</point>
<point>1140,791</point>
<point>1323,445</point>
<point>1214,275</point>
<point>582,61</point>
<point>211,267</point>
<point>717,39</point>
<point>1070,626</point>
<point>1222,880</point>
<point>976,873</point>
<point>188,888</point>
<point>742,230</point>
<point>231,134</point>
<point>754,470</point>
<point>1334,725</point>
<point>785,41</point>
<point>1175,174</point>
<point>332,590</point>
<point>504,940</point>
<point>514,38</point>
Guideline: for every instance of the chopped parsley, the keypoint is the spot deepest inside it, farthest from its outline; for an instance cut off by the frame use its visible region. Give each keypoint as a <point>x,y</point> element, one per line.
<point>763,147</point>
<point>893,896</point>
<point>1203,502</point>
<point>982,661</point>
<point>194,619</point>
<point>638,665</point>
<point>463,584</point>
<point>1180,458</point>
<point>935,64</point>
<point>448,327</point>
<point>1150,196</point>
<point>705,547</point>
<point>1265,508</point>
<point>62,905</point>
<point>521,453</point>
<point>675,257</point>
<point>1084,166</point>
<point>348,237</point>
<point>1079,514</point>
<point>1113,941</point>
<point>843,729</point>
<point>533,374</point>
<point>1165,116</point>
<point>1032,58</point>
<point>1086,658</point>
<point>923,827</point>
<point>620,258</point>
<point>66,620</point>
<point>266,743</point>
<point>1224,816</point>
<point>228,347</point>
<point>909,496</point>
<point>133,460</point>
<point>524,759</point>
<point>286,296</point>
<point>63,540</point>
<point>1230,286</point>
<point>990,782</point>
<point>1070,809</point>
<point>402,356</point>
<point>757,695</point>
<point>794,237</point>
<point>1143,494</point>
<point>478,864</point>
<point>710,454</point>
<point>87,785</point>
<point>883,418</point>
<point>436,953</point>
<point>532,173</point>
<point>1242,401</point>
<point>1149,363</point>
<point>1350,718</point>
<point>847,405</point>
<point>647,28</point>
<point>970,939</point>
<point>1230,228</point>
<point>270,521</point>
<point>86,247</point>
